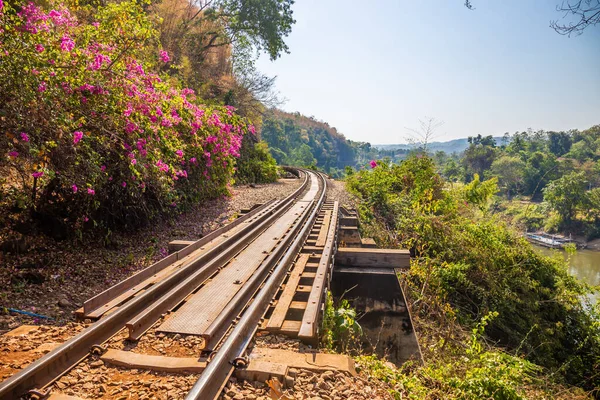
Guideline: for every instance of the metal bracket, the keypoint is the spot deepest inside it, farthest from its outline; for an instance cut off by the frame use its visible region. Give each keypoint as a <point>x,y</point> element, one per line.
<point>98,350</point>
<point>240,362</point>
<point>38,394</point>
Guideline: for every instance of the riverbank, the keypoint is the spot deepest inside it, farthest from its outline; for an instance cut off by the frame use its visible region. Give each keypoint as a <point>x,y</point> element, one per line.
<point>537,218</point>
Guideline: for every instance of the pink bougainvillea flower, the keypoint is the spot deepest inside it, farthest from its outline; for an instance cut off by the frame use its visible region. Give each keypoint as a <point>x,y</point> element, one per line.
<point>133,161</point>
<point>373,163</point>
<point>179,153</point>
<point>37,174</point>
<point>1,5</point>
<point>77,136</point>
<point>85,219</point>
<point>39,48</point>
<point>13,154</point>
<point>66,43</point>
<point>252,129</point>
<point>42,87</point>
<point>24,137</point>
<point>74,187</point>
<point>103,168</point>
<point>124,184</point>
<point>91,191</point>
<point>193,160</point>
<point>164,56</point>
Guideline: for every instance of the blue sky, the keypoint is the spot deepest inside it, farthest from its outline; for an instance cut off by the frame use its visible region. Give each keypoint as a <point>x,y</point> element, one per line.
<point>373,68</point>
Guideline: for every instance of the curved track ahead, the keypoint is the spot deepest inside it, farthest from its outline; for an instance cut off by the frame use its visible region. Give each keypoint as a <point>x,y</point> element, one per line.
<point>193,272</point>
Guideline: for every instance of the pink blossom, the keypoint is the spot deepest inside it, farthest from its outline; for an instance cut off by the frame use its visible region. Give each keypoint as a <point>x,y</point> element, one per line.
<point>66,43</point>
<point>193,160</point>
<point>13,154</point>
<point>77,136</point>
<point>91,191</point>
<point>164,56</point>
<point>39,48</point>
<point>124,184</point>
<point>133,161</point>
<point>74,187</point>
<point>1,5</point>
<point>162,166</point>
<point>99,60</point>
<point>37,174</point>
<point>373,163</point>
<point>24,137</point>
<point>85,219</point>
<point>179,153</point>
<point>42,87</point>
<point>103,168</point>
<point>252,129</point>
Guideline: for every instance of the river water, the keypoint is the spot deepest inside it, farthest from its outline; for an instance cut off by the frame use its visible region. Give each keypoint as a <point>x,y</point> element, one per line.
<point>584,264</point>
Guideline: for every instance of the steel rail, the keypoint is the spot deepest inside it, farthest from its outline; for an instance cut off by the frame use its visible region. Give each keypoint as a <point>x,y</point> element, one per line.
<point>214,377</point>
<point>60,360</point>
<point>121,287</point>
<point>223,321</point>
<point>143,321</point>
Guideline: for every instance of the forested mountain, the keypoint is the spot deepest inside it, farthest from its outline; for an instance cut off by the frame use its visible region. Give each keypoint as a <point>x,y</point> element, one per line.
<point>295,139</point>
<point>451,146</point>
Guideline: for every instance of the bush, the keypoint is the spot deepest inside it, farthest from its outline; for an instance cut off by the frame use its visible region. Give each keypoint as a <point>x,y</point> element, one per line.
<point>256,165</point>
<point>469,264</point>
<point>94,134</point>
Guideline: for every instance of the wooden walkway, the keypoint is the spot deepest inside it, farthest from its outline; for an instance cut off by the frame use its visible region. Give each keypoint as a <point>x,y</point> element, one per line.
<point>296,310</point>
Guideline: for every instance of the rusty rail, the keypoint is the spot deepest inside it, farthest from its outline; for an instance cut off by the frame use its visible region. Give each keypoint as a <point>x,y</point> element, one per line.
<point>215,376</point>
<point>51,366</point>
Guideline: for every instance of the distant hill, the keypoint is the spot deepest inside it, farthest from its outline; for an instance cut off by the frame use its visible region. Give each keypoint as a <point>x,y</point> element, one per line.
<point>295,139</point>
<point>451,146</point>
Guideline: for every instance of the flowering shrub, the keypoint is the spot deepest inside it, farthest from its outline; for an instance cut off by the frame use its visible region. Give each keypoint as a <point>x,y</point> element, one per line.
<point>89,132</point>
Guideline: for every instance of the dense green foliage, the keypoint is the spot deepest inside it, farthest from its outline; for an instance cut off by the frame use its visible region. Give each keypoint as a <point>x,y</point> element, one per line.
<point>301,141</point>
<point>469,264</point>
<point>101,122</point>
<point>91,133</point>
<point>255,165</point>
<point>560,168</point>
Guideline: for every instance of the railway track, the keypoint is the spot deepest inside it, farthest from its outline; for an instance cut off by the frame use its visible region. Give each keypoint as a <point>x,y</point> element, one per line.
<point>268,269</point>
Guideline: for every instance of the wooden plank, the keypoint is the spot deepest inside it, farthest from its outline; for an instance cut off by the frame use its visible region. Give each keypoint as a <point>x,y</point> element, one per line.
<point>324,229</point>
<point>298,305</point>
<point>349,235</point>
<point>312,361</point>
<point>261,371</point>
<point>308,330</point>
<point>176,245</point>
<point>361,257</point>
<point>311,249</point>
<point>368,243</point>
<point>287,295</point>
<point>129,359</point>
<point>365,270</point>
<point>348,221</point>
<point>22,330</point>
<point>290,328</point>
